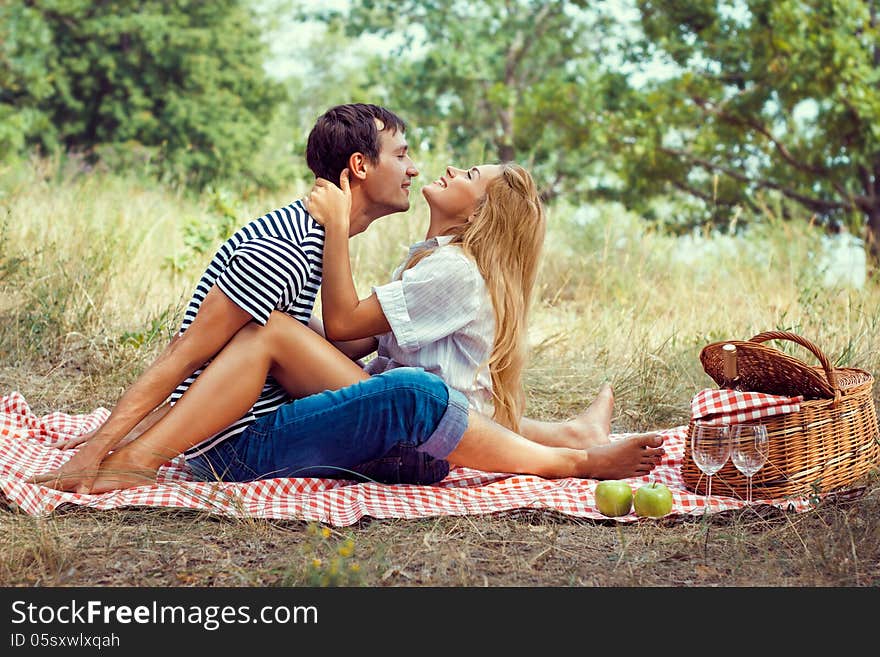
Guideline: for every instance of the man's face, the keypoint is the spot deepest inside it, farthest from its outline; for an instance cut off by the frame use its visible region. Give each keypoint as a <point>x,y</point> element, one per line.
<point>387,184</point>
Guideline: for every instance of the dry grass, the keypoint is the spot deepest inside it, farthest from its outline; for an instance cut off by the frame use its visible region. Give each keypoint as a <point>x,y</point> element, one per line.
<point>80,318</point>
<point>837,544</point>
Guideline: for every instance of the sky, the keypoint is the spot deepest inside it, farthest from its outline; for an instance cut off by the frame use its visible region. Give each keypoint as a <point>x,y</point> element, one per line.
<point>286,51</point>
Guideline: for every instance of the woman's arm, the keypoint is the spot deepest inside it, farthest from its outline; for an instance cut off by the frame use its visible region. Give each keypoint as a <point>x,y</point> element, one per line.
<point>345,316</point>
<point>354,349</point>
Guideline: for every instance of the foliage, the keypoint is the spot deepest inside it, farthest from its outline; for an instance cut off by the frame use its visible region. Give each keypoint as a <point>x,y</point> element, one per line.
<point>497,80</point>
<point>202,233</point>
<point>772,107</point>
<point>157,83</point>
<point>772,97</point>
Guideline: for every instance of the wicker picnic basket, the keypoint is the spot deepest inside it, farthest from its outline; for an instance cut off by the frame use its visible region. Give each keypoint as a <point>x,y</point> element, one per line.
<point>829,444</point>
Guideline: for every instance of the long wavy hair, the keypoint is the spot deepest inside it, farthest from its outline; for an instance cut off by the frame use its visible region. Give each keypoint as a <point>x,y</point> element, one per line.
<point>504,237</point>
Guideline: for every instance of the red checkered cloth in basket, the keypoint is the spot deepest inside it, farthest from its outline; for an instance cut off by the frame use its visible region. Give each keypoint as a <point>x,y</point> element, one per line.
<point>723,406</point>
<point>27,447</point>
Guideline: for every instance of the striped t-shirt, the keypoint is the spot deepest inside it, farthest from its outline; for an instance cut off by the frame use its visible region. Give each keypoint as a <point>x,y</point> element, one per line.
<point>271,263</point>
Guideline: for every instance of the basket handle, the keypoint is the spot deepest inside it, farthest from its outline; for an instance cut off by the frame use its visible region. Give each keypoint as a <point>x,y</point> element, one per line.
<point>818,353</point>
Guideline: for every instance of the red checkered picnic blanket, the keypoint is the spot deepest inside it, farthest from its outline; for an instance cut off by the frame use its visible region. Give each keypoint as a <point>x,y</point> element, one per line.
<point>723,406</point>
<point>26,448</point>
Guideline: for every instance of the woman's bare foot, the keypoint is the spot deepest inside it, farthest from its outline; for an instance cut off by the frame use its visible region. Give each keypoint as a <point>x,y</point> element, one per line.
<point>592,427</point>
<point>633,456</point>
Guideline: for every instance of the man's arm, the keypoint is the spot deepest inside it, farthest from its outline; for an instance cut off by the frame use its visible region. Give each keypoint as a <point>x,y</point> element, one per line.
<point>151,419</point>
<point>217,320</point>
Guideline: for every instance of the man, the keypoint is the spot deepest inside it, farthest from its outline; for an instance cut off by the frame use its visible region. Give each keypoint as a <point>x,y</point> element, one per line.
<point>272,263</point>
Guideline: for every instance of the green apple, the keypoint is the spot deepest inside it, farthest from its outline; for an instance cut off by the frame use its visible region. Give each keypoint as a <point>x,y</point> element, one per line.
<point>613,497</point>
<point>653,501</point>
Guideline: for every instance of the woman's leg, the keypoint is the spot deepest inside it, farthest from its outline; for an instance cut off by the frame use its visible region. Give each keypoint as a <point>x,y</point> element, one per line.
<point>325,434</point>
<point>590,428</point>
<point>486,445</point>
<point>303,362</point>
<point>330,433</point>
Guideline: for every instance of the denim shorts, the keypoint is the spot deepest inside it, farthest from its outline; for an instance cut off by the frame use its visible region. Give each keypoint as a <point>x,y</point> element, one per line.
<point>395,427</point>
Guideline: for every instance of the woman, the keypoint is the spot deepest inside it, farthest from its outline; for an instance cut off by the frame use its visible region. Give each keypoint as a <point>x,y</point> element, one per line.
<point>458,308</point>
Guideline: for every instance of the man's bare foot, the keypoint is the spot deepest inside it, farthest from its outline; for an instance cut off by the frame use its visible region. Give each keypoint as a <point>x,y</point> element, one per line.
<point>592,427</point>
<point>117,472</point>
<point>633,456</point>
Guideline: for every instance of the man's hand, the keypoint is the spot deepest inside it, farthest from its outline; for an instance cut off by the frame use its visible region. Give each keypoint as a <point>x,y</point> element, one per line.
<point>76,441</point>
<point>331,205</point>
<point>78,473</point>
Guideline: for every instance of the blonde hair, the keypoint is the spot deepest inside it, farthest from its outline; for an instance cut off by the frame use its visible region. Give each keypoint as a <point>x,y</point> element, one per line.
<point>505,237</point>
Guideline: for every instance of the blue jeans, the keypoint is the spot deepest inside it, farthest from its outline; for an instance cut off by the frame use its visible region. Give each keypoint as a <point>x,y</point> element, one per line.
<point>395,427</point>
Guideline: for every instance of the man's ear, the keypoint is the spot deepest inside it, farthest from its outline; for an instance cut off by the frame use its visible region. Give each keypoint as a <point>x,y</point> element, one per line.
<point>357,166</point>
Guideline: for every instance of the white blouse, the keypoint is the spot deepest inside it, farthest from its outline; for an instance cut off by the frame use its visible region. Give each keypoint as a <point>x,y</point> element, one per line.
<point>441,320</point>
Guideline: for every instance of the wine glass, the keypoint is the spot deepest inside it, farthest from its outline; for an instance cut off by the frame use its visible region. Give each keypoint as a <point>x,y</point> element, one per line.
<point>710,448</point>
<point>748,450</point>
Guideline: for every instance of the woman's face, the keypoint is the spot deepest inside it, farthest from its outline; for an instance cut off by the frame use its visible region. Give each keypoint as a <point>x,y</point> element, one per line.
<point>456,194</point>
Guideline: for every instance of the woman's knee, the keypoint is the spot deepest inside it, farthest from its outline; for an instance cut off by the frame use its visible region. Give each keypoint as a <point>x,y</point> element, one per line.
<point>276,323</point>
<point>415,378</point>
<point>416,393</point>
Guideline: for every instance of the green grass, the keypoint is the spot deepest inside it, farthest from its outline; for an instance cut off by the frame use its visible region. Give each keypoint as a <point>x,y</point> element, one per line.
<point>95,269</point>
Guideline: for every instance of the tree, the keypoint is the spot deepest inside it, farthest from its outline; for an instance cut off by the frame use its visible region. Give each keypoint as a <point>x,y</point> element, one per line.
<point>182,79</point>
<point>26,62</point>
<point>500,79</point>
<point>781,96</point>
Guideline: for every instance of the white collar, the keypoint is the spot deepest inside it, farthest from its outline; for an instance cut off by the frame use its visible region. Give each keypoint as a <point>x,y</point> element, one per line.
<point>433,243</point>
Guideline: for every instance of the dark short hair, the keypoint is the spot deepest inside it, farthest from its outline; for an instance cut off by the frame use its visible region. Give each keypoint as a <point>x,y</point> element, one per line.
<point>347,129</point>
